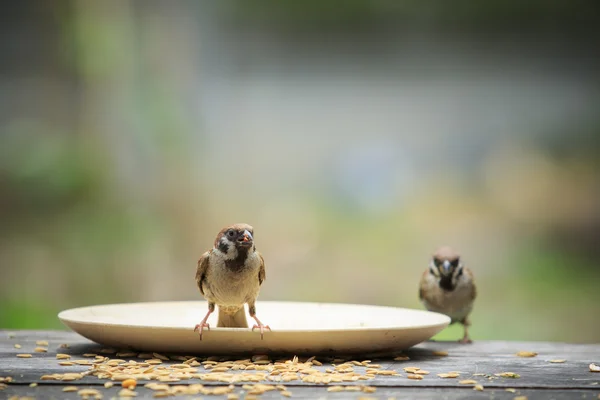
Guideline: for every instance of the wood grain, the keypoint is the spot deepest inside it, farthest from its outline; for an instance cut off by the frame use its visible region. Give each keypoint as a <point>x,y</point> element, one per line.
<point>538,377</point>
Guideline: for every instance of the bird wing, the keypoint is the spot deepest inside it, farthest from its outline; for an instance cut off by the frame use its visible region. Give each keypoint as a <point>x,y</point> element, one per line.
<point>474,291</point>
<point>201,270</point>
<point>261,271</point>
<point>421,285</point>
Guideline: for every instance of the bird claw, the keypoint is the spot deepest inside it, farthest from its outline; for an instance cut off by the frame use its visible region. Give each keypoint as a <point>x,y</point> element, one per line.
<point>465,340</point>
<point>200,327</point>
<point>262,329</point>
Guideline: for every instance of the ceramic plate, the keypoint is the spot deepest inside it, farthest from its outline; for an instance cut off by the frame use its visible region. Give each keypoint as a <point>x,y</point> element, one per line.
<point>299,328</point>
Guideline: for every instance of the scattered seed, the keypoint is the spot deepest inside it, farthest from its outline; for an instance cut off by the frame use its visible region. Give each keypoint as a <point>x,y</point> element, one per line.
<point>594,368</point>
<point>448,375</point>
<point>66,363</point>
<point>415,377</point>
<point>40,350</point>
<point>33,384</point>
<point>440,353</point>
<point>107,351</point>
<point>61,356</point>
<point>108,384</point>
<point>526,354</point>
<point>422,372</point>
<point>508,375</point>
<point>42,343</point>
<point>3,386</point>
<point>467,382</point>
<point>70,389</point>
<point>411,370</point>
<point>24,355</point>
<point>64,346</point>
<point>557,361</point>
<point>127,393</point>
<point>160,356</point>
<point>286,393</point>
<point>89,392</point>
<point>17,346</point>
<point>129,383</point>
<point>478,387</point>
<point>512,390</point>
<point>520,398</point>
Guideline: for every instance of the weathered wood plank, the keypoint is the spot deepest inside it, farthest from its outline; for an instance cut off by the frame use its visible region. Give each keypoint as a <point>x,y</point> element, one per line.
<point>487,357</point>
<point>308,392</point>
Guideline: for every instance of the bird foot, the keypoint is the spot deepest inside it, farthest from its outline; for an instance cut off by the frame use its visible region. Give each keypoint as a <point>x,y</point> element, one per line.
<point>465,340</point>
<point>261,326</point>
<point>200,327</point>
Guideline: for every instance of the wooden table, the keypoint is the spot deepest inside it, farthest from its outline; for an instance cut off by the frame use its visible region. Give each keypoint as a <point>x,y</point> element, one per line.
<point>539,378</point>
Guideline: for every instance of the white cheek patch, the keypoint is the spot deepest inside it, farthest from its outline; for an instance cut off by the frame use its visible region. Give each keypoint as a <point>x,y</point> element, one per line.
<point>432,269</point>
<point>231,250</point>
<point>458,273</point>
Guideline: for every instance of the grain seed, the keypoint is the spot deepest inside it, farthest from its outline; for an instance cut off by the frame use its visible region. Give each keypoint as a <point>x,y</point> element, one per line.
<point>70,389</point>
<point>526,354</point>
<point>508,375</point>
<point>594,368</point>
<point>448,375</point>
<point>24,355</point>
<point>89,392</point>
<point>127,393</point>
<point>129,383</point>
<point>42,343</point>
<point>467,382</point>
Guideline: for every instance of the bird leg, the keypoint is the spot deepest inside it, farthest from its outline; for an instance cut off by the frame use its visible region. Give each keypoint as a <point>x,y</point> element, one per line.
<point>259,325</point>
<point>466,339</point>
<point>203,324</point>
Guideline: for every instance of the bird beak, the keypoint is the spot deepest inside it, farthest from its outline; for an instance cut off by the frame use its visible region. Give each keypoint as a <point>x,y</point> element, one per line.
<point>446,266</point>
<point>246,238</point>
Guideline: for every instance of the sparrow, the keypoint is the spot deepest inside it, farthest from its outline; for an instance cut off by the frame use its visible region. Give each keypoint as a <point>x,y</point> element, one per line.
<point>448,287</point>
<point>229,276</point>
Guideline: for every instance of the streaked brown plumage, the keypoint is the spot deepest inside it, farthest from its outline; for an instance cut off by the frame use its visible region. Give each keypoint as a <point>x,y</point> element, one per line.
<point>229,276</point>
<point>448,287</point>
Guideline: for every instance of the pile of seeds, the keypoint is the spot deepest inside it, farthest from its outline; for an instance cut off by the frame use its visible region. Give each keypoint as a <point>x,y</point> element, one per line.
<point>166,375</point>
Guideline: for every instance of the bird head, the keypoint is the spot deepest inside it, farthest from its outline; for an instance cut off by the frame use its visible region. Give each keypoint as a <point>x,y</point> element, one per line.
<point>446,265</point>
<point>235,238</point>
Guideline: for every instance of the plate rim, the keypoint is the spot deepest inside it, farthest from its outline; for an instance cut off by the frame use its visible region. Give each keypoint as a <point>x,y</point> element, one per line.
<point>65,320</point>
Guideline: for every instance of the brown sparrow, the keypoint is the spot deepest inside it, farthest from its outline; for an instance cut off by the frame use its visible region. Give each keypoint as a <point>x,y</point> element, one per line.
<point>447,287</point>
<point>229,276</point>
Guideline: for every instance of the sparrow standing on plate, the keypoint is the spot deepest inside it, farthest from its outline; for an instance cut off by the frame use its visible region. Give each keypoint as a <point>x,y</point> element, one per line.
<point>447,287</point>
<point>229,276</point>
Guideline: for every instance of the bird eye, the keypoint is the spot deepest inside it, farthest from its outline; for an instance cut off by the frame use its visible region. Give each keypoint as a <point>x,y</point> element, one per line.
<point>454,263</point>
<point>230,233</point>
<point>436,261</point>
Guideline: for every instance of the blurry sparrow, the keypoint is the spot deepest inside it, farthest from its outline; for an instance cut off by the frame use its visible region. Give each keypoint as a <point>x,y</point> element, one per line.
<point>447,287</point>
<point>229,276</point>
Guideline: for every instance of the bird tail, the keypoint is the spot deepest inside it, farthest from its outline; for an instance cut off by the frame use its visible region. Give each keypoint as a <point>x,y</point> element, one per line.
<point>235,320</point>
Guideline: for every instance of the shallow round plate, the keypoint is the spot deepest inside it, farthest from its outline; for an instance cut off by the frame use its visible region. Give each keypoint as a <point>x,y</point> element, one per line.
<point>300,328</point>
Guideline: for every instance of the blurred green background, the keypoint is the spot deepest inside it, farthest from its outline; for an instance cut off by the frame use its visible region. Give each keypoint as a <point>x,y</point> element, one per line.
<point>355,136</point>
